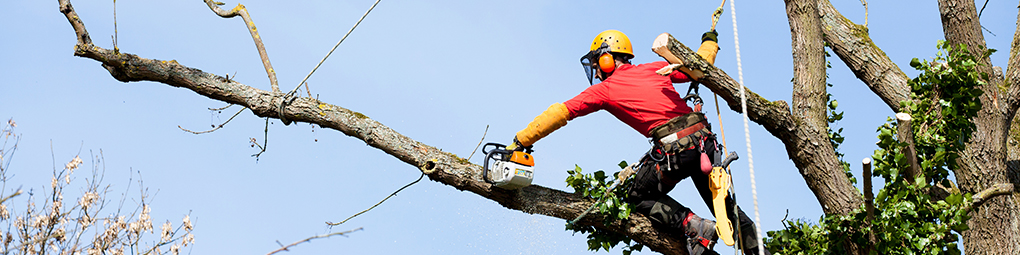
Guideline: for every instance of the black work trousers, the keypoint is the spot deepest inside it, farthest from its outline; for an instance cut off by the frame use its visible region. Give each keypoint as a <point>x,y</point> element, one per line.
<point>654,179</point>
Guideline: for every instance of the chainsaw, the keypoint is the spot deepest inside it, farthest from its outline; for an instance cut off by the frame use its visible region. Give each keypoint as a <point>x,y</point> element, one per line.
<point>510,169</point>
<point>726,221</point>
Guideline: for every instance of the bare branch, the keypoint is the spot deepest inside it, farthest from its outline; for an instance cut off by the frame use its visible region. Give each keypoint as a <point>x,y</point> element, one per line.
<point>221,108</point>
<point>243,12</point>
<point>379,203</point>
<point>217,127</point>
<point>285,248</point>
<point>479,142</point>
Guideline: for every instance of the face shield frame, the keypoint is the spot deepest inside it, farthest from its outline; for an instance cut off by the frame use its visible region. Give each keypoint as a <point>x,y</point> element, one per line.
<point>590,62</point>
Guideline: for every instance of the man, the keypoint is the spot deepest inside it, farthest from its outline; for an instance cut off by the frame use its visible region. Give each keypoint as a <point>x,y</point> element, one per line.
<point>649,103</point>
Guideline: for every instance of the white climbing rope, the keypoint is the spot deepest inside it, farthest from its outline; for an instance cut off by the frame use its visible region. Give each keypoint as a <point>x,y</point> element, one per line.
<point>747,130</point>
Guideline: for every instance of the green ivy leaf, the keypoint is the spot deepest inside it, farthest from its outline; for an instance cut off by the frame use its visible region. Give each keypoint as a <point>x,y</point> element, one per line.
<point>915,63</point>
<point>954,199</point>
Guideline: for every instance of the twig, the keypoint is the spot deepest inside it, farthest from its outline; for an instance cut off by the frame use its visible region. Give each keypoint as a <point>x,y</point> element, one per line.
<point>865,3</point>
<point>240,10</point>
<point>380,202</point>
<point>16,193</point>
<point>307,89</point>
<point>115,48</point>
<point>265,140</point>
<point>217,126</point>
<point>222,108</point>
<point>334,47</point>
<point>287,98</point>
<point>479,143</point>
<point>982,9</point>
<point>285,248</point>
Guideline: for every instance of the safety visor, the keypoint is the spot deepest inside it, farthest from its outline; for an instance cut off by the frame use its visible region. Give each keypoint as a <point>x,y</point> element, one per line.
<point>589,61</point>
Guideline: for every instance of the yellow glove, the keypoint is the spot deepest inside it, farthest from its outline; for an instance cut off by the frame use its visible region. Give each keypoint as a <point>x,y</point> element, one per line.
<point>516,145</point>
<point>709,46</point>
<point>545,123</point>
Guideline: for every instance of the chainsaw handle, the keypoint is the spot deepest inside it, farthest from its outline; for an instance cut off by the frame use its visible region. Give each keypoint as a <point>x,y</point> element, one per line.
<point>496,150</point>
<point>729,159</point>
<point>496,146</point>
<point>485,162</point>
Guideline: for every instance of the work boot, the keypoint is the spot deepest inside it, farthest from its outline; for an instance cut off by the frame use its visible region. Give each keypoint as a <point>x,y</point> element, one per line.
<point>701,236</point>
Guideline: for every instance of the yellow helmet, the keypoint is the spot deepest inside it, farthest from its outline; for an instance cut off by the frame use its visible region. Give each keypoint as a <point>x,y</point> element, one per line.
<point>616,40</point>
<point>598,57</point>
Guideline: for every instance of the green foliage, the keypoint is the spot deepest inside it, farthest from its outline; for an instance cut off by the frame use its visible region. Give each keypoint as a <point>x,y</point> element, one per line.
<point>908,220</point>
<point>612,209</point>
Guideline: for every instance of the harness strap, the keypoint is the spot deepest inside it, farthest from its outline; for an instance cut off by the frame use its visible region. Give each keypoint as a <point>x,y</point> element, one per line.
<point>683,133</point>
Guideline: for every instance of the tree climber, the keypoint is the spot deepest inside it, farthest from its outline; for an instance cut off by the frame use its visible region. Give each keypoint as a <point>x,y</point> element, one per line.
<point>649,103</point>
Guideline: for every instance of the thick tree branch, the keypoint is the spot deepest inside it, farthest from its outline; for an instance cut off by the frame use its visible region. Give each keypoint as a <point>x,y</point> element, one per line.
<point>808,146</point>
<point>809,95</point>
<point>446,168</point>
<point>872,66</point>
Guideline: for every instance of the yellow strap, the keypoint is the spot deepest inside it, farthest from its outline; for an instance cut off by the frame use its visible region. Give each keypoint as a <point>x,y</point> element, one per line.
<point>544,124</point>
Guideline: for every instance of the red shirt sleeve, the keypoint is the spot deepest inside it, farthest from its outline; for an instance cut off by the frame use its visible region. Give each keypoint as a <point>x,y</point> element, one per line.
<point>590,100</point>
<point>679,77</point>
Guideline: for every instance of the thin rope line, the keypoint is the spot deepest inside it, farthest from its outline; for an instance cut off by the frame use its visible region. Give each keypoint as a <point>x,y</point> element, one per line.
<point>334,48</point>
<point>747,130</point>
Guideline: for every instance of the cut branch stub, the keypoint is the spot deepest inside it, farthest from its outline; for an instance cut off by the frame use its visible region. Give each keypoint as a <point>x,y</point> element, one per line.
<point>906,135</point>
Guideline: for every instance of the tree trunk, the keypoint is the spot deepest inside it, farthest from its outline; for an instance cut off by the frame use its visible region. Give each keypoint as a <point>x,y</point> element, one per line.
<point>809,95</point>
<point>995,224</point>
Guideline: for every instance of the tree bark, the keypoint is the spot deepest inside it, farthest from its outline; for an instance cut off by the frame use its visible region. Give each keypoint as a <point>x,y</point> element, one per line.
<point>443,167</point>
<point>809,95</point>
<point>995,224</point>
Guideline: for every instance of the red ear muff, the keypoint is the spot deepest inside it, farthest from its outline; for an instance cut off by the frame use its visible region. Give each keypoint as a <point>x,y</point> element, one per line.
<point>607,63</point>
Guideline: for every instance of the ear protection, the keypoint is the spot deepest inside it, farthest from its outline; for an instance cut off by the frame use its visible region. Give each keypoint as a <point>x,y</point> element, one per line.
<point>607,63</point>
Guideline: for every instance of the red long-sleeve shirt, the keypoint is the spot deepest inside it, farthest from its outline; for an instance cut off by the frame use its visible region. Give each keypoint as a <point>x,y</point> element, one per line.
<point>636,95</point>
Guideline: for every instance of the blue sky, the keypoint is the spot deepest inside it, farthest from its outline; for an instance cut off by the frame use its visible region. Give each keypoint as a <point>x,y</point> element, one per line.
<point>436,71</point>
